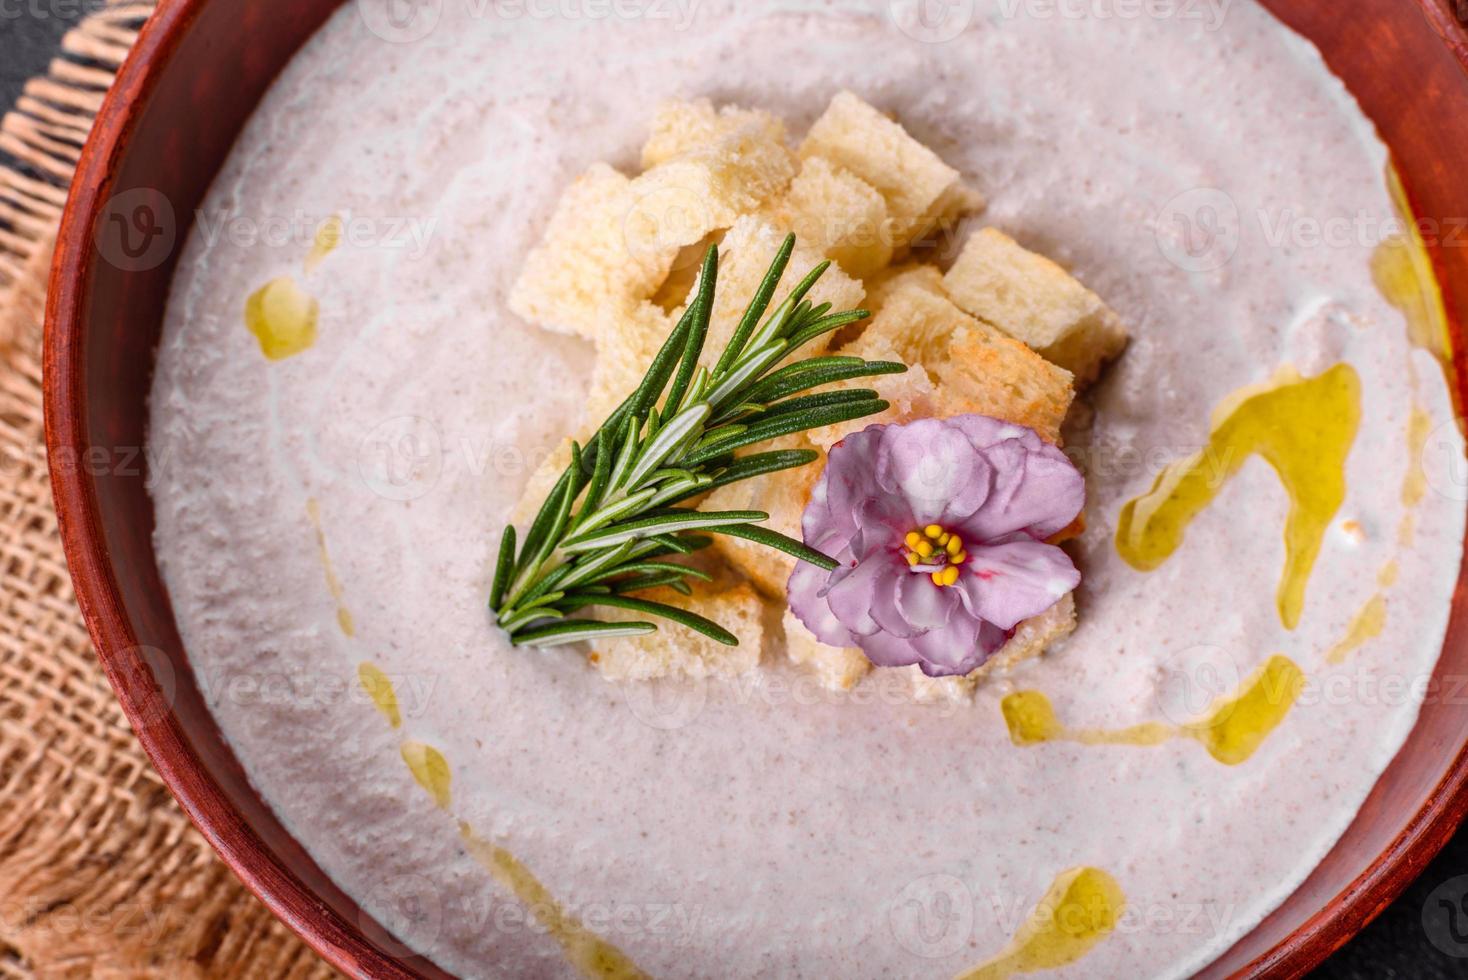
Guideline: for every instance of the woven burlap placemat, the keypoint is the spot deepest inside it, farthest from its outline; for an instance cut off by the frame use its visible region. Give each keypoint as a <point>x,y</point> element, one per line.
<point>101,874</point>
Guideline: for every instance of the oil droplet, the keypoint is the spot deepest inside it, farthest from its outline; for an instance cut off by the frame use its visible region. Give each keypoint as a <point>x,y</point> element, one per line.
<point>1387,577</point>
<point>344,619</point>
<point>1366,625</point>
<point>1414,485</point>
<point>1402,270</point>
<point>1080,910</point>
<point>1235,728</point>
<point>430,769</point>
<point>1231,731</point>
<point>589,954</point>
<point>1031,720</point>
<point>282,316</point>
<point>379,688</point>
<point>328,237</point>
<point>1304,428</point>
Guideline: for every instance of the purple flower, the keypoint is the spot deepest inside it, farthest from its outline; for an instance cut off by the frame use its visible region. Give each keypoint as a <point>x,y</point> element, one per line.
<point>940,528</point>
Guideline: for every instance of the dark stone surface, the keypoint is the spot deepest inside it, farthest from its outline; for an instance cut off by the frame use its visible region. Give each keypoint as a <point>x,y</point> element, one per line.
<point>1396,945</point>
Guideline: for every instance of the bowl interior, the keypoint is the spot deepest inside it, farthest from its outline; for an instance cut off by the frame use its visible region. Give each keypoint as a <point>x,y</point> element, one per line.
<point>196,74</point>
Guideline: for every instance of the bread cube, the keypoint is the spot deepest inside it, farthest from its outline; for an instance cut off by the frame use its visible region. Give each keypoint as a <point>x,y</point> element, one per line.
<point>744,257</point>
<point>837,668</point>
<point>676,650</point>
<point>1034,300</point>
<point>630,339</point>
<point>585,262</point>
<point>957,365</point>
<point>988,373</point>
<point>542,480</point>
<point>838,214</point>
<point>910,395</point>
<point>898,279</point>
<point>684,126</point>
<point>708,187</point>
<point>922,192</point>
<point>783,496</point>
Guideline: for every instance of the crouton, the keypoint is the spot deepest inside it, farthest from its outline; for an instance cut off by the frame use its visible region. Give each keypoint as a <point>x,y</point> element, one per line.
<point>783,496</point>
<point>684,126</point>
<point>678,650</point>
<point>922,192</point>
<point>584,263</point>
<point>957,365</point>
<point>630,340</point>
<point>542,480</point>
<point>910,395</point>
<point>897,279</point>
<point>987,373</point>
<point>708,187</point>
<point>1034,300</point>
<point>838,214</point>
<point>837,668</point>
<point>744,257</point>
<point>1031,639</point>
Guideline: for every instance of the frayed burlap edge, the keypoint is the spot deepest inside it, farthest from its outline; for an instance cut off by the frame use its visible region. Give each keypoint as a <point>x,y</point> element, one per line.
<point>101,874</point>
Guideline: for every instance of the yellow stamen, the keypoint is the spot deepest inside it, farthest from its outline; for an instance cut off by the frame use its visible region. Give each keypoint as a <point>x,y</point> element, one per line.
<point>924,548</point>
<point>944,538</point>
<point>932,531</point>
<point>959,558</point>
<point>938,578</point>
<point>913,538</point>
<point>954,544</point>
<point>948,576</point>
<point>912,558</point>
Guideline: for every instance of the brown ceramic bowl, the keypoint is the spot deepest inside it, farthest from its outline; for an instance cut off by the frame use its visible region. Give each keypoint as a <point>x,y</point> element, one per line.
<point>196,74</point>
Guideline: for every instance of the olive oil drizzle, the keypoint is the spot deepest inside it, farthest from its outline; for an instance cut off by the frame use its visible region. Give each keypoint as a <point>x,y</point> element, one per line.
<point>283,317</point>
<point>590,955</point>
<point>1232,730</point>
<point>1080,909</point>
<point>1304,428</point>
<point>344,620</point>
<point>282,314</point>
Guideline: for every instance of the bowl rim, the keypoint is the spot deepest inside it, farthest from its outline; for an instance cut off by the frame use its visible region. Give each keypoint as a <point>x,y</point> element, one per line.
<point>100,600</point>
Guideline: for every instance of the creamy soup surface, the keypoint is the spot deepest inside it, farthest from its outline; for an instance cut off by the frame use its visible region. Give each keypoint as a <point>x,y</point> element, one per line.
<point>340,506</point>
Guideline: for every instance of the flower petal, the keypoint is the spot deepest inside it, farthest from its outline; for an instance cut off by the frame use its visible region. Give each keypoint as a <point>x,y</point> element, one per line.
<point>812,609</point>
<point>931,464</point>
<point>886,650</point>
<point>925,606</point>
<point>1010,582</point>
<point>1036,489</point>
<point>985,644</point>
<point>853,596</point>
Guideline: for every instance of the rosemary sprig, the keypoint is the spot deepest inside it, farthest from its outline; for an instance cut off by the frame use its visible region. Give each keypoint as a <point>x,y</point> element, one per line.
<point>607,527</point>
